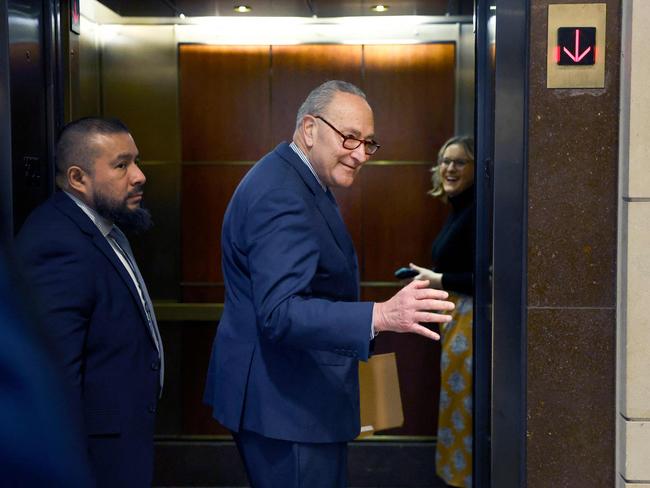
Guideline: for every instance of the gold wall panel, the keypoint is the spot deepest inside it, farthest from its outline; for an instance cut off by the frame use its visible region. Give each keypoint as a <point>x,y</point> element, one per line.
<point>88,99</point>
<point>576,15</point>
<point>140,86</point>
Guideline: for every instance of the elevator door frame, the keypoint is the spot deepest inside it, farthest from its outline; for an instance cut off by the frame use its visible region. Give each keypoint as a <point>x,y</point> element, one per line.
<point>504,440</point>
<point>6,196</point>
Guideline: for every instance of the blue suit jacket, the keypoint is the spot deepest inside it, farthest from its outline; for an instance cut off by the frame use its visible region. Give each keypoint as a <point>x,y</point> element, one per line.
<point>91,309</point>
<point>285,359</point>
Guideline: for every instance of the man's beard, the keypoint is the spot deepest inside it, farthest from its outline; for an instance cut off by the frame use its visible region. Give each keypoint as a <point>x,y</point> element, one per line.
<point>118,212</point>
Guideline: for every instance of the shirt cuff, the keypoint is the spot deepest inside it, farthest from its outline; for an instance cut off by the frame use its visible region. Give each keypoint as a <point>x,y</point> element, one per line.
<point>373,334</point>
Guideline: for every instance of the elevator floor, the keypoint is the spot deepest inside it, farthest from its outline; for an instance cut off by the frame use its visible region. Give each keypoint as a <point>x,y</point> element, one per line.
<point>372,464</point>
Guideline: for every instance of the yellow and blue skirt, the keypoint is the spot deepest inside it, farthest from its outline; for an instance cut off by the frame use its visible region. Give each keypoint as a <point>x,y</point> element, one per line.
<point>454,446</point>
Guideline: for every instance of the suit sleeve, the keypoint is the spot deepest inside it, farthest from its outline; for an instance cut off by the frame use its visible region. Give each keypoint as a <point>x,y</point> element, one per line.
<point>283,254</point>
<point>60,276</point>
<point>462,282</point>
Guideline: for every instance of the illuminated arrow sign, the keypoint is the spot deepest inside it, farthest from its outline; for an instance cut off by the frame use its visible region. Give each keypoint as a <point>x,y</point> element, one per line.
<point>75,18</point>
<point>576,46</point>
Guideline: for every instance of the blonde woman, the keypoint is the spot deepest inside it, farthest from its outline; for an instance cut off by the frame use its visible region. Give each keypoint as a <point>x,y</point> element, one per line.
<point>452,270</point>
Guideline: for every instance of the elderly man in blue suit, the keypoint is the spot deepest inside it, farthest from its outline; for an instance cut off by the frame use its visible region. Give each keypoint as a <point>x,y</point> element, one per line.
<point>93,301</point>
<point>283,376</point>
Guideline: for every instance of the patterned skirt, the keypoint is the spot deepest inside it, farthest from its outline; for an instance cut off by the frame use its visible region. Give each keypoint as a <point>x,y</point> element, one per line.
<point>454,446</point>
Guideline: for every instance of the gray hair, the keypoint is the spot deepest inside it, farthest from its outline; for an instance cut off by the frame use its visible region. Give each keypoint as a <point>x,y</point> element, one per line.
<point>321,96</point>
<point>467,143</point>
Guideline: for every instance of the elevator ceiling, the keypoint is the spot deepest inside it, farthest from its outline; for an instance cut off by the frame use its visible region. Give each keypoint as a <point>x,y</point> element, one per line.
<point>287,8</point>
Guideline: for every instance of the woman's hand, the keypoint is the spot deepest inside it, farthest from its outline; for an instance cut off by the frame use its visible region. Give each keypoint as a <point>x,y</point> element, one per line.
<point>435,279</point>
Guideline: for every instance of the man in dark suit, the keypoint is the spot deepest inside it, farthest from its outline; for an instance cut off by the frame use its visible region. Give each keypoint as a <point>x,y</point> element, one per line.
<point>283,375</point>
<point>93,301</point>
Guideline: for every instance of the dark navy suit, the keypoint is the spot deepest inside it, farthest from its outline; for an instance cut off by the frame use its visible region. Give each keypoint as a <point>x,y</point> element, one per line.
<point>90,307</point>
<point>40,441</point>
<point>285,359</point>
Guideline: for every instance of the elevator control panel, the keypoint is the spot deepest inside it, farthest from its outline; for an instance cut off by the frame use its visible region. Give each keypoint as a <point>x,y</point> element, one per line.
<point>576,45</point>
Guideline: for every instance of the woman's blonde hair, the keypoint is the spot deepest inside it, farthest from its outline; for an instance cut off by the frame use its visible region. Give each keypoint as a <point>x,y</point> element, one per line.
<point>467,143</point>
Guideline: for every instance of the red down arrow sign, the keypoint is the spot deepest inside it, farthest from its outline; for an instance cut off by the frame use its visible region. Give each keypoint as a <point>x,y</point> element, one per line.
<point>576,46</point>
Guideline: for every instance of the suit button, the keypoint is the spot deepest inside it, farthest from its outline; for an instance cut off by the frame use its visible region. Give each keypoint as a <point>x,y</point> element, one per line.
<point>152,408</point>
<point>155,365</point>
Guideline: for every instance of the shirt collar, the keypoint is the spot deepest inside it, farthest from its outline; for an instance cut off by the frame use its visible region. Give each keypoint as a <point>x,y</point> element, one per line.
<point>104,225</point>
<point>304,159</point>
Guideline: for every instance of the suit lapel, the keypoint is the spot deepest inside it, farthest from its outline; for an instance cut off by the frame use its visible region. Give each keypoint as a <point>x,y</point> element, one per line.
<point>87,226</point>
<point>327,207</point>
<point>102,244</point>
<point>332,216</point>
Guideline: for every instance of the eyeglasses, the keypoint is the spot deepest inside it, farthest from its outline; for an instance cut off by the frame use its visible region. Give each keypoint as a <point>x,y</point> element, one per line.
<point>459,163</point>
<point>349,142</point>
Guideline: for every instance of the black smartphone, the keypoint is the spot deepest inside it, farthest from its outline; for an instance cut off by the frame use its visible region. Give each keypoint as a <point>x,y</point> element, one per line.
<point>405,273</point>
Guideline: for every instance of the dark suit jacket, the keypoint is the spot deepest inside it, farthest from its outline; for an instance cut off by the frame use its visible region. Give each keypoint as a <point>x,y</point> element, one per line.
<point>90,307</point>
<point>40,441</point>
<point>285,359</point>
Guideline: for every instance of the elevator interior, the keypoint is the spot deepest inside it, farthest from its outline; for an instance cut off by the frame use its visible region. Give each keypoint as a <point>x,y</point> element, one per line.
<point>152,67</point>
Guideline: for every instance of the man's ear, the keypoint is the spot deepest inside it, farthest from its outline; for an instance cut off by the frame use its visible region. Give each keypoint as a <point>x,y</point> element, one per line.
<point>77,179</point>
<point>309,130</point>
